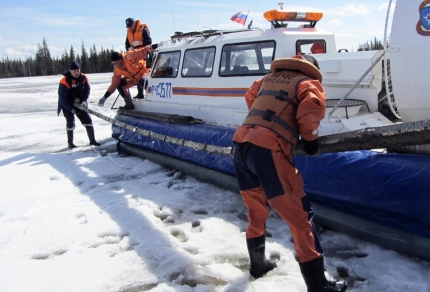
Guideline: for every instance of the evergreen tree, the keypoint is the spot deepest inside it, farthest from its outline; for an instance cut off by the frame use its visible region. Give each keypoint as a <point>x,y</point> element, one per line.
<point>78,59</point>
<point>71,55</point>
<point>19,68</point>
<point>57,65</point>
<point>7,68</point>
<point>84,60</point>
<point>92,59</point>
<point>47,58</point>
<point>39,61</point>
<point>373,45</point>
<point>2,69</point>
<point>30,65</point>
<point>377,45</point>
<point>44,64</point>
<point>65,61</point>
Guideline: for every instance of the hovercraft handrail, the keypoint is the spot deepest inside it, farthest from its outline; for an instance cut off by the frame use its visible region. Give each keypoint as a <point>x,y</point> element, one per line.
<point>208,33</point>
<point>356,84</point>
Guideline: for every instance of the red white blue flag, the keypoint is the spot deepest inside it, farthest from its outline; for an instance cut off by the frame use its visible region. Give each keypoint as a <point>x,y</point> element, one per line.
<point>240,17</point>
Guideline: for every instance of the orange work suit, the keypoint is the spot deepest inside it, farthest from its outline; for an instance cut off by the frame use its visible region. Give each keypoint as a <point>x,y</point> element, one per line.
<point>131,72</point>
<point>264,165</point>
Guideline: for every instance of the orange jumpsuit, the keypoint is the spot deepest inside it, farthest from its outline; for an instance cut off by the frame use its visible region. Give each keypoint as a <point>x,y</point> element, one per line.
<point>264,161</point>
<point>133,69</point>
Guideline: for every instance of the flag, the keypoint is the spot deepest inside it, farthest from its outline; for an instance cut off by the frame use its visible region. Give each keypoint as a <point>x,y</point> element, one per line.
<point>240,17</point>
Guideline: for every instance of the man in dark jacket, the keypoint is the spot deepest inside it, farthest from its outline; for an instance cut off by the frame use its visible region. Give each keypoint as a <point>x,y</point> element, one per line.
<point>74,87</point>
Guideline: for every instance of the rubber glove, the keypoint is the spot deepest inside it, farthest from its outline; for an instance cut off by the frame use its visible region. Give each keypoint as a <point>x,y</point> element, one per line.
<point>311,147</point>
<point>83,103</point>
<point>102,101</point>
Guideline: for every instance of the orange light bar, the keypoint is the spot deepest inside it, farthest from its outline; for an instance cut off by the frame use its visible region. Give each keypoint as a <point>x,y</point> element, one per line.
<point>282,15</point>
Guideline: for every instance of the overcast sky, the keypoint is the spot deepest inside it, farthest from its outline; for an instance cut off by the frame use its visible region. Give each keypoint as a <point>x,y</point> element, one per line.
<point>24,24</point>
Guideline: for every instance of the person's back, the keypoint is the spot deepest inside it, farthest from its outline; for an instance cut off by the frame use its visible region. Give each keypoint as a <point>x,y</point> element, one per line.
<point>286,104</point>
<point>299,82</point>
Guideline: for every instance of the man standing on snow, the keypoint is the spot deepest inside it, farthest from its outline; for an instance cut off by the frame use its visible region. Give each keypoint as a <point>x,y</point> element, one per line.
<point>138,36</point>
<point>132,66</point>
<point>74,87</point>
<point>287,103</point>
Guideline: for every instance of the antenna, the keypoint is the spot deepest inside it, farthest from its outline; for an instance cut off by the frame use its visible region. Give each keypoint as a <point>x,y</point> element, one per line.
<point>250,24</point>
<point>281,5</point>
<point>173,15</point>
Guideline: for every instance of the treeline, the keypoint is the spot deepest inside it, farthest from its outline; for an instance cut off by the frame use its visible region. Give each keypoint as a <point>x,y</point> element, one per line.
<point>371,45</point>
<point>93,62</point>
<point>43,64</point>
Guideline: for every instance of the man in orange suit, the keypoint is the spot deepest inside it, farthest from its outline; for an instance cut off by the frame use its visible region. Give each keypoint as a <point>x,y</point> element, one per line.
<point>288,103</point>
<point>129,70</point>
<point>138,36</point>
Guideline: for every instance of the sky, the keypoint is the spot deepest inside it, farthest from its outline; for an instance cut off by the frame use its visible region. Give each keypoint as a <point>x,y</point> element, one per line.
<point>25,23</point>
<point>88,219</point>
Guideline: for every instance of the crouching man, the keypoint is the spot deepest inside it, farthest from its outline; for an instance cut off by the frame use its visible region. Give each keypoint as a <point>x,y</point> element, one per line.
<point>129,70</point>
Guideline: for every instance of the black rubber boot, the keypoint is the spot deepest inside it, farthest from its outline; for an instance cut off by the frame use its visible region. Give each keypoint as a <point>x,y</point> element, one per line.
<point>90,132</point>
<point>259,263</point>
<point>128,103</point>
<point>139,92</point>
<point>313,274</point>
<point>70,139</point>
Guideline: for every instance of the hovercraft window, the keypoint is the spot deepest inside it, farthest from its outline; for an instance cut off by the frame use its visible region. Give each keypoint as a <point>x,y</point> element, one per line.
<point>247,59</point>
<point>167,65</point>
<point>311,47</point>
<point>198,62</point>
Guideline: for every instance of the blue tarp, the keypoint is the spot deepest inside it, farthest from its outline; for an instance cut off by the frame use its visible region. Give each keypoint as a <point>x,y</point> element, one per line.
<point>392,189</point>
<point>388,189</point>
<point>201,133</point>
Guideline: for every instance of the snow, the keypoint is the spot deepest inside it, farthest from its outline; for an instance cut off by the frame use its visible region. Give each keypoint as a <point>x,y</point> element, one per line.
<point>88,219</point>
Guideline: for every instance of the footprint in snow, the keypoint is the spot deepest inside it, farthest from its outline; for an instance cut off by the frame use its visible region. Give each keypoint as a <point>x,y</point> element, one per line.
<point>188,276</point>
<point>138,286</point>
<point>45,256</point>
<point>200,212</point>
<point>195,223</point>
<point>167,214</point>
<point>82,219</point>
<point>179,234</point>
<point>108,238</point>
